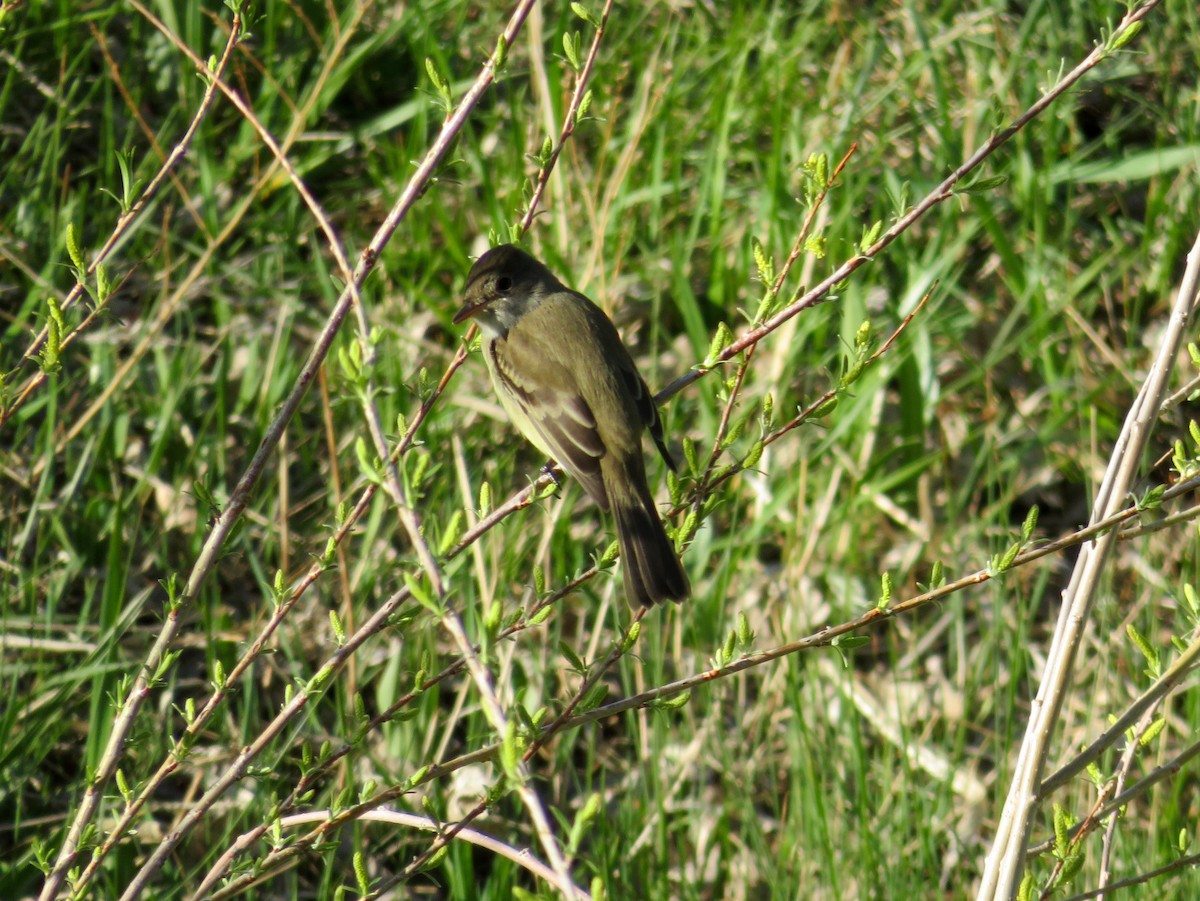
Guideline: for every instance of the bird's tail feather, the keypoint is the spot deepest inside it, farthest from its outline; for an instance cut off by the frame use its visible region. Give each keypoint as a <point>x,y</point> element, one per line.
<point>651,570</point>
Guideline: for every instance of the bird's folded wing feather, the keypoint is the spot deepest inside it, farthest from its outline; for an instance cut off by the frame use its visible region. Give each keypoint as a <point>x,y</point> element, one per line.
<point>555,408</point>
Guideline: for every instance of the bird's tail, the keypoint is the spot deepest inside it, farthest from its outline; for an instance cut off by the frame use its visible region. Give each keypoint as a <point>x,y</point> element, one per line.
<point>651,570</point>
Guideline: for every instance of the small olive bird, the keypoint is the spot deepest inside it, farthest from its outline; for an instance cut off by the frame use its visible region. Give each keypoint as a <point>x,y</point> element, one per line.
<point>571,388</point>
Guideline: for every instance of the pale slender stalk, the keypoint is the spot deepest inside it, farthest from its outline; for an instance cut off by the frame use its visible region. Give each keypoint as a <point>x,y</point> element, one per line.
<point>124,722</point>
<point>1164,684</point>
<point>1006,860</point>
<point>521,857</point>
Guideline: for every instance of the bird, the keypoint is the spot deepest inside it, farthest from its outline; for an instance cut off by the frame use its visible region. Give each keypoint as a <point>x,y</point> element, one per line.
<point>571,388</point>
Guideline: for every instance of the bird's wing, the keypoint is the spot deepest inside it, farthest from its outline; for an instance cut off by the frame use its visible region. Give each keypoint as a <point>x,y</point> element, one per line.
<point>554,410</point>
<point>646,407</point>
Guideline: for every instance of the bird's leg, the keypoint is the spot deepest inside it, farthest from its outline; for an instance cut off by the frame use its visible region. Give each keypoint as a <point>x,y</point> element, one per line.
<point>548,472</point>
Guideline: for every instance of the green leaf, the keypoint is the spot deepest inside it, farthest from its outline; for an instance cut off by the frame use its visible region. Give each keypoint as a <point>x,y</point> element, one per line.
<point>1149,652</point>
<point>1152,732</point>
<point>1002,563</point>
<point>689,454</point>
<point>586,14</point>
<point>420,592</point>
<point>75,253</point>
<point>1071,867</point>
<point>728,648</point>
<point>720,340</point>
<point>869,236</point>
<point>631,637</point>
<point>585,104</point>
<point>571,42</point>
<point>745,635</point>
<point>673,703</point>
<point>368,465</point>
<point>1063,824</point>
<point>1125,35</point>
<point>1192,599</point>
<point>350,360</point>
<point>439,83</point>
<point>510,753</point>
<point>766,306</point>
<point>452,532</point>
<point>763,262</point>
<point>862,339</point>
<point>1152,499</point>
<point>123,785</point>
<point>844,643</point>
<point>574,661</point>
<point>130,186</point>
<point>435,859</point>
<point>360,873</point>
<point>825,407</point>
<point>938,577</point>
<point>1030,524</point>
<point>590,810</point>
<point>734,432</point>
<point>983,185</point>
<point>49,357</point>
<point>491,618</point>
<point>594,698</point>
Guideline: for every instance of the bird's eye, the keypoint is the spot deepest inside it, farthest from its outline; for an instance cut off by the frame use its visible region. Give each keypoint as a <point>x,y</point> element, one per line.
<point>504,284</point>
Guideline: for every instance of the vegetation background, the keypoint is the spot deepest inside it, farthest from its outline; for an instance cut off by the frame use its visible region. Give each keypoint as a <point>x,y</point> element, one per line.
<point>331,640</point>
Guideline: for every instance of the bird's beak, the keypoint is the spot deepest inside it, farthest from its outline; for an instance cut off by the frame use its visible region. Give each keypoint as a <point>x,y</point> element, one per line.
<point>468,310</point>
